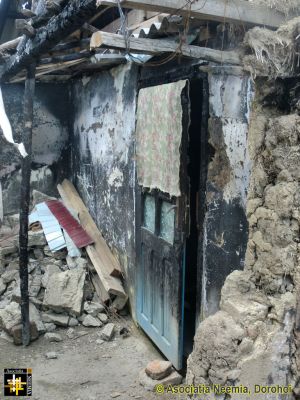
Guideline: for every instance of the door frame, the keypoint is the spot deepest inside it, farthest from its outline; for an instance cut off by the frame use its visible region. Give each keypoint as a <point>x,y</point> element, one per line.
<point>158,76</point>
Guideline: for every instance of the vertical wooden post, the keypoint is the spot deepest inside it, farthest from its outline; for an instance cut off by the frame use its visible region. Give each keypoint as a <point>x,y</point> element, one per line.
<point>25,200</point>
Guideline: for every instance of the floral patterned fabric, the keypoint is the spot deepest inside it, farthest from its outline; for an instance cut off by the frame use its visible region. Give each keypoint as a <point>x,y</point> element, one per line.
<point>158,137</point>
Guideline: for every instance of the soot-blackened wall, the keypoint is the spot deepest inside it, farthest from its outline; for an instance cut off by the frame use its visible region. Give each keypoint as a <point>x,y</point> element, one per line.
<point>103,166</point>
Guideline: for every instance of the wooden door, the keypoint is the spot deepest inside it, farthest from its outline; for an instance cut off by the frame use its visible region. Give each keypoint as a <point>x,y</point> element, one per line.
<point>161,233</point>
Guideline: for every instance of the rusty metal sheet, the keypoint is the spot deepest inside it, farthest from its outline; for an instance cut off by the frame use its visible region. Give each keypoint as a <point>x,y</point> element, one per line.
<point>69,224</point>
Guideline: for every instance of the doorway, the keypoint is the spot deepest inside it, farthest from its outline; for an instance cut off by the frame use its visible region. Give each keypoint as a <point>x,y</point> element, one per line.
<point>170,271</point>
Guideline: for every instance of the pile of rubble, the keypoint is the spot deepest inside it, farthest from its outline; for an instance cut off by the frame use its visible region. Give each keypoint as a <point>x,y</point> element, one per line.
<point>60,290</point>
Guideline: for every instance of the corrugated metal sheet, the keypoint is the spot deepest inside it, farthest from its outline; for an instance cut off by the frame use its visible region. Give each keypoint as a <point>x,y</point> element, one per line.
<point>51,227</point>
<point>69,223</point>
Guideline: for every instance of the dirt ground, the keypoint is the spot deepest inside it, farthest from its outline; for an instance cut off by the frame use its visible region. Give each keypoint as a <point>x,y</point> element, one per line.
<point>84,370</point>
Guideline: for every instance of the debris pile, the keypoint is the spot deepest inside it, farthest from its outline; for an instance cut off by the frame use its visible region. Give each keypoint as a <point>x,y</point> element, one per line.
<point>159,372</point>
<point>61,289</point>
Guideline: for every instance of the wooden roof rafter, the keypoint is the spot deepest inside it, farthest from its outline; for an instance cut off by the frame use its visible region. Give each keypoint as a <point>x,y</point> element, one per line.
<point>235,11</point>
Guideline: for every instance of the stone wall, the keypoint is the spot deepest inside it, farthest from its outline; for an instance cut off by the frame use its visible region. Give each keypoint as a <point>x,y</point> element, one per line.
<point>225,223</point>
<point>251,340</point>
<point>103,165</point>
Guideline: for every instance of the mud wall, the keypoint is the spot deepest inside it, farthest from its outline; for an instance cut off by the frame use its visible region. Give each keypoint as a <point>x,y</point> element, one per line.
<point>254,339</point>
<point>103,166</point>
<point>225,224</point>
<point>50,140</point>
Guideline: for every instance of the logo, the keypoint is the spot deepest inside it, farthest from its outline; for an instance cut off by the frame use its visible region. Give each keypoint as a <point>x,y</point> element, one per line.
<point>18,382</point>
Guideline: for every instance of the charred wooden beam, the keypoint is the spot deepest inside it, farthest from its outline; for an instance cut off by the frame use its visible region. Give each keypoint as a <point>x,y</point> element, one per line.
<point>24,27</point>
<point>51,8</point>
<point>68,21</point>
<point>25,200</point>
<point>157,46</point>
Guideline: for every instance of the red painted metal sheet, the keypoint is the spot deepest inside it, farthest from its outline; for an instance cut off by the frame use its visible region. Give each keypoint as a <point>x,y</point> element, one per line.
<point>69,223</point>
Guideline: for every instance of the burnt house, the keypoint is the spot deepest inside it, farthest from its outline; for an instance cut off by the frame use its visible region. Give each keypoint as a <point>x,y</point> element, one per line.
<point>178,124</point>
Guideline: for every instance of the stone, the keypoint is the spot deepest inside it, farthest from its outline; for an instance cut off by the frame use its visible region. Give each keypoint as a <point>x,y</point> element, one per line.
<point>71,262</point>
<point>6,337</point>
<point>93,308</point>
<point>73,322</point>
<point>103,317</point>
<point>70,333</point>
<point>36,238</point>
<point>81,318</point>
<point>35,285</point>
<point>13,266</point>
<point>150,384</point>
<point>36,318</point>
<point>38,254</point>
<point>99,341</point>
<point>9,276</point>
<point>57,319</point>
<point>10,316</point>
<point>38,303</point>
<point>16,333</point>
<point>158,369</point>
<point>53,337</point>
<point>50,327</point>
<point>51,355</point>
<point>7,248</point>
<point>114,395</point>
<point>2,286</point>
<point>108,332</point>
<point>64,291</point>
<point>49,269</point>
<point>91,321</point>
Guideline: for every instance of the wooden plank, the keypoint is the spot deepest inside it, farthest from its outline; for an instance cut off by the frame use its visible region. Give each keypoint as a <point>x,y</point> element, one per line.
<point>101,292</point>
<point>157,46</point>
<point>133,17</point>
<point>99,253</point>
<point>235,11</point>
<point>110,283</point>
<point>71,197</point>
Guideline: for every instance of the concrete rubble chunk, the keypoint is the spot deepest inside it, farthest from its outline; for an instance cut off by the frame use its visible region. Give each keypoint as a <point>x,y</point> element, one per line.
<point>50,327</point>
<point>7,248</point>
<point>93,308</point>
<point>150,384</point>
<point>57,319</point>
<point>13,265</point>
<point>103,318</point>
<point>91,321</point>
<point>51,355</point>
<point>48,271</point>
<point>36,238</point>
<point>70,333</point>
<point>2,286</point>
<point>10,316</point>
<point>36,318</point>
<point>6,337</point>
<point>53,337</point>
<point>108,332</point>
<point>35,285</point>
<point>158,369</point>
<point>16,333</point>
<point>64,291</point>
<point>38,254</point>
<point>73,322</point>
<point>9,276</point>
